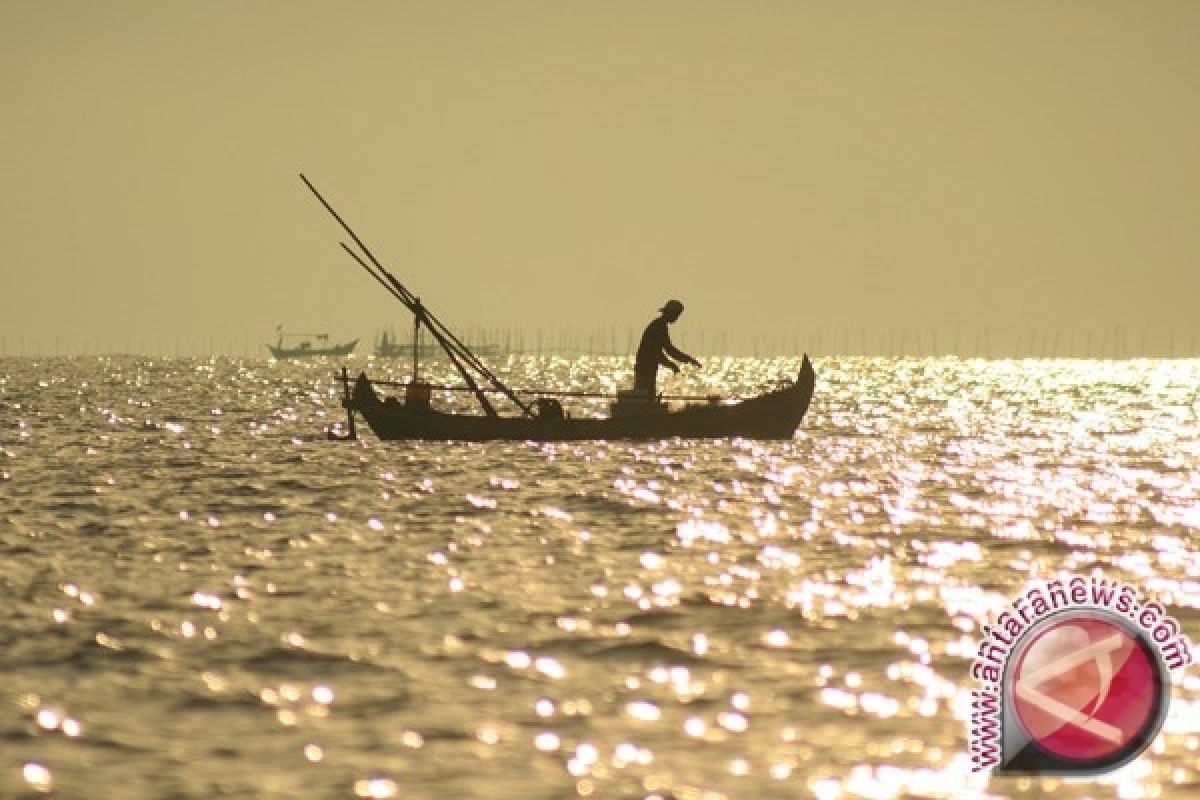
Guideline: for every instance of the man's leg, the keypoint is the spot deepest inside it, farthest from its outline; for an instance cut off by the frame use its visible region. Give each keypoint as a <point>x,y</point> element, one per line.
<point>644,379</point>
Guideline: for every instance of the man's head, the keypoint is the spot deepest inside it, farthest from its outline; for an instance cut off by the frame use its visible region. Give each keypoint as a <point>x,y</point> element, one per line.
<point>672,310</point>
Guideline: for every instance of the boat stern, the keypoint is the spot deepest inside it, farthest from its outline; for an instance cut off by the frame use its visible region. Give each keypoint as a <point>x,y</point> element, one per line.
<point>363,395</point>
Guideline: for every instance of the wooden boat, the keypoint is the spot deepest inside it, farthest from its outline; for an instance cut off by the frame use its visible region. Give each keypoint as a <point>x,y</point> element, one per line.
<point>306,350</point>
<point>774,414</point>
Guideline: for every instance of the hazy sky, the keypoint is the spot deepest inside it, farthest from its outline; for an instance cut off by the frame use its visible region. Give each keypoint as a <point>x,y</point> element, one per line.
<point>781,167</point>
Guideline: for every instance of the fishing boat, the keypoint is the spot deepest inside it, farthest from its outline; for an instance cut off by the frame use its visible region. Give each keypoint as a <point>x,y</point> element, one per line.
<point>772,415</point>
<point>388,346</point>
<point>538,415</point>
<point>305,348</point>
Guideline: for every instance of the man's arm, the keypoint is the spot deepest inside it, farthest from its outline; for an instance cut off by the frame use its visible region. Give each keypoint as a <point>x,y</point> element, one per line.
<point>679,355</point>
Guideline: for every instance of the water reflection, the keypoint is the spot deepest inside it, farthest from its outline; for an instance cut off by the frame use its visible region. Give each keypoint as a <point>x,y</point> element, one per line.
<point>209,599</point>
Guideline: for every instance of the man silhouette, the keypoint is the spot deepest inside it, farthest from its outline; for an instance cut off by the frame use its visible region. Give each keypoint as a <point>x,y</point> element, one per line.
<point>655,347</point>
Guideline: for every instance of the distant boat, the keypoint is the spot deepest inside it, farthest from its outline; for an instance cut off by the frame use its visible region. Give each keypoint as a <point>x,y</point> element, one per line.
<point>387,346</point>
<point>305,348</point>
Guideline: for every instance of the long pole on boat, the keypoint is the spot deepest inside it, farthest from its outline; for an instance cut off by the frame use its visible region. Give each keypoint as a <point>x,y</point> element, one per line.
<point>419,316</point>
<point>454,348</point>
<point>550,393</point>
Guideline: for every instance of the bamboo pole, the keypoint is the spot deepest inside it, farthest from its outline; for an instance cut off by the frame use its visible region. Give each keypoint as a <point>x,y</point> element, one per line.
<point>455,350</point>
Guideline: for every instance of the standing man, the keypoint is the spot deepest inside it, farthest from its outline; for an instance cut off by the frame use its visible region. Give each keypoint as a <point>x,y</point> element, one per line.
<point>655,347</point>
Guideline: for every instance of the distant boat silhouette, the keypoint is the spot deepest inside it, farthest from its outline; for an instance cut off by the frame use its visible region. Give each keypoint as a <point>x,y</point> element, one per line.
<point>305,348</point>
<point>388,346</point>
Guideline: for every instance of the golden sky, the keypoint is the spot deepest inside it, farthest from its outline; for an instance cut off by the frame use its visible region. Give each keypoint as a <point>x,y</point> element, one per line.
<point>781,167</point>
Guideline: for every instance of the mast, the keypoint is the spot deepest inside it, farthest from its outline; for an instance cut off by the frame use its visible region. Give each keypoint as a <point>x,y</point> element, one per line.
<point>398,291</point>
<point>458,353</point>
<point>416,339</point>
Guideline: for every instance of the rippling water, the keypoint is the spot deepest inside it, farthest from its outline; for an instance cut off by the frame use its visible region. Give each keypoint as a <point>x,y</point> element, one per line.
<point>205,598</point>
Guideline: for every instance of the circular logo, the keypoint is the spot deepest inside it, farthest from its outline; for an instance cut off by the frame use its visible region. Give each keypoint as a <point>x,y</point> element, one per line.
<point>1088,691</point>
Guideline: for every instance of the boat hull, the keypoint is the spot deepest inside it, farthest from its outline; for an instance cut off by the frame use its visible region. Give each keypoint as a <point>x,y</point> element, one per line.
<point>312,352</point>
<point>774,415</point>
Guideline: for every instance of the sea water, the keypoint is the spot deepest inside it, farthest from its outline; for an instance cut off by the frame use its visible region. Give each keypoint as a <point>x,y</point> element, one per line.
<point>204,597</point>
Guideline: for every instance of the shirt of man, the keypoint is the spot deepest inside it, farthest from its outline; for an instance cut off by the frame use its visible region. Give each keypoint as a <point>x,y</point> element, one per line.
<point>653,351</point>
